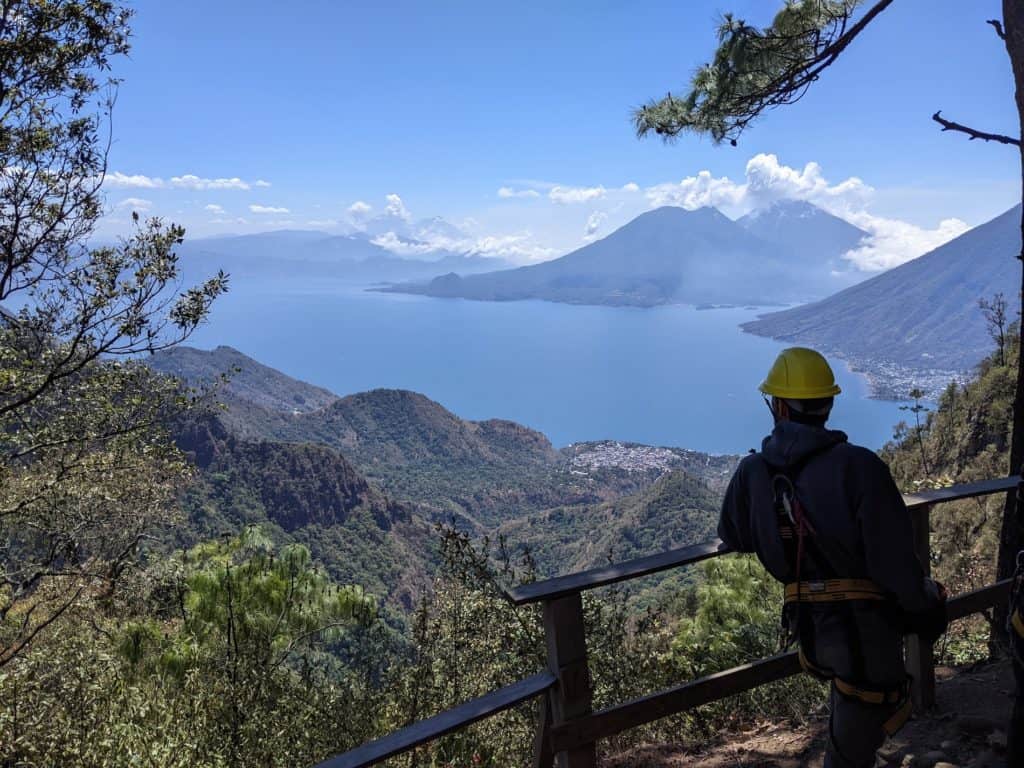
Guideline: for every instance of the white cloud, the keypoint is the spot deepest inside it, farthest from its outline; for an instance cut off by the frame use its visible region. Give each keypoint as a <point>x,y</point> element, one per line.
<point>118,179</point>
<point>392,242</point>
<point>267,209</point>
<point>631,187</point>
<point>697,191</point>
<point>214,208</point>
<point>359,214</point>
<point>568,195</point>
<point>517,247</point>
<point>326,223</point>
<point>893,242</point>
<point>396,207</point>
<point>185,181</point>
<point>594,222</point>
<point>222,220</point>
<point>509,193</point>
<point>766,181</point>
<point>191,181</point>
<point>135,203</point>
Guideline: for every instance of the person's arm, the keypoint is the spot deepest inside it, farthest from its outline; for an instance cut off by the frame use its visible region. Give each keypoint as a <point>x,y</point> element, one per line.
<point>734,520</point>
<point>889,541</point>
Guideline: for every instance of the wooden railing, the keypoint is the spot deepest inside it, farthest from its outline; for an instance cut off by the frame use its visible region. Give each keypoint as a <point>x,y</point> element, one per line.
<point>569,729</point>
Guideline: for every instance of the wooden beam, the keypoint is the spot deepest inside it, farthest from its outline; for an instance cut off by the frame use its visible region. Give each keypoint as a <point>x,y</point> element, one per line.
<point>616,719</point>
<point>979,600</point>
<point>608,722</point>
<point>961,491</point>
<point>543,757</point>
<point>561,586</point>
<point>674,558</point>
<point>572,697</point>
<point>434,727</point>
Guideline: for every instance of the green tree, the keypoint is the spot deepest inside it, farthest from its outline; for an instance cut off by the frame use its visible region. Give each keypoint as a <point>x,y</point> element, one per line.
<point>251,646</point>
<point>994,311</point>
<point>736,621</point>
<point>87,469</point>
<point>755,70</point>
<point>916,394</point>
<point>218,656</point>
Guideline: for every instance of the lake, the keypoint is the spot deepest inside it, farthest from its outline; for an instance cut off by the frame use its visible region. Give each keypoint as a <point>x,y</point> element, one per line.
<point>671,375</point>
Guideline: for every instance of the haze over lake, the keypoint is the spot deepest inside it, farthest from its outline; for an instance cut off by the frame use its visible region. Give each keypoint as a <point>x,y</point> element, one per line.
<point>670,375</point>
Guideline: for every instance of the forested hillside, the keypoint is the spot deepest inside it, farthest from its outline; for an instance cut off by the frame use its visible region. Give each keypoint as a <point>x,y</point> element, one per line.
<point>964,438</point>
<point>363,479</point>
<point>308,493</point>
<point>250,381</point>
<point>477,474</point>
<point>676,510</point>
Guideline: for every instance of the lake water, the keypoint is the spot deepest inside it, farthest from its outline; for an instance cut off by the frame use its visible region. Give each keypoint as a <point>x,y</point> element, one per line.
<point>665,376</point>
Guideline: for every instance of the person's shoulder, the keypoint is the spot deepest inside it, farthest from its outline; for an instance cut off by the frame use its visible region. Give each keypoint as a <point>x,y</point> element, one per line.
<point>751,459</point>
<point>751,464</point>
<point>861,457</point>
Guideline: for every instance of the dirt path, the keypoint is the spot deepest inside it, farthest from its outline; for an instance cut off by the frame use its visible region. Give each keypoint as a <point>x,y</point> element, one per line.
<point>967,728</point>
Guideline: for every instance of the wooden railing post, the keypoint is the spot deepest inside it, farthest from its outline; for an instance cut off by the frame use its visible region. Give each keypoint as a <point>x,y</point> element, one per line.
<point>919,659</point>
<point>572,697</point>
<point>543,757</point>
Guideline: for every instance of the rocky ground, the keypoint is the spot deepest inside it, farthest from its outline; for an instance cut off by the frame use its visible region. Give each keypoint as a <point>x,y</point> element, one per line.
<point>966,729</point>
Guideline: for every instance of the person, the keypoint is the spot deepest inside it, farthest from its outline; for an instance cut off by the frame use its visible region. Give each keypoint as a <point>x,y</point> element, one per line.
<point>1015,631</point>
<point>824,517</point>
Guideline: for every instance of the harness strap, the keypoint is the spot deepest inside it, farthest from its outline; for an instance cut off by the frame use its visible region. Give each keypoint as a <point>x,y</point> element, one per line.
<point>899,717</point>
<point>1017,622</point>
<point>895,696</point>
<point>833,590</point>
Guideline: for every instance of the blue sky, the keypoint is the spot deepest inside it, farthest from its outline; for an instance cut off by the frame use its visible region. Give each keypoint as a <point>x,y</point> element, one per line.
<point>329,104</point>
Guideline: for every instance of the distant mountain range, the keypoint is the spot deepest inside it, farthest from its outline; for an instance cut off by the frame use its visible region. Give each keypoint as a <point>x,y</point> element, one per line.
<point>922,315</point>
<point>787,253</point>
<point>310,257</point>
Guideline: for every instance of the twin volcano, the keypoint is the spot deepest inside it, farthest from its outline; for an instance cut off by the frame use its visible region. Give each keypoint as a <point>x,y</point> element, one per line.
<point>789,253</point>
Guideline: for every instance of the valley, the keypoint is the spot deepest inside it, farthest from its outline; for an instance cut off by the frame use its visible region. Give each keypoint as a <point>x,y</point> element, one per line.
<point>364,480</point>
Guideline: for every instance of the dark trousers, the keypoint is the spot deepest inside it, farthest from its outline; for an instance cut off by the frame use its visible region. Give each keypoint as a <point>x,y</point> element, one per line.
<point>1015,733</point>
<point>855,732</point>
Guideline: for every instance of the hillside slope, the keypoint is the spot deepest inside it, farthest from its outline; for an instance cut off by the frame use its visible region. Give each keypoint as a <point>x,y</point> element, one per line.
<point>675,511</point>
<point>477,473</point>
<point>921,315</point>
<point>248,380</point>
<point>307,493</point>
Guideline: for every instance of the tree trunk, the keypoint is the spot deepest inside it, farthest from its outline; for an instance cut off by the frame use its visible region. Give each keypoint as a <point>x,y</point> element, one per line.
<point>1011,540</point>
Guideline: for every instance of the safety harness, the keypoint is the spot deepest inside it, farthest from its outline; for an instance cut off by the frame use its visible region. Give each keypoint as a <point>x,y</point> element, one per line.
<point>800,542</point>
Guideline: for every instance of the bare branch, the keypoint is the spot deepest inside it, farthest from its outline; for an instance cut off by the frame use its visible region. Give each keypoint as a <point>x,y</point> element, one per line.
<point>949,125</point>
<point>998,27</point>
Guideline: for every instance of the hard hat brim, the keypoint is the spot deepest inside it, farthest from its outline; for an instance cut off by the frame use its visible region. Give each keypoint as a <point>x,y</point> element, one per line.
<point>799,394</point>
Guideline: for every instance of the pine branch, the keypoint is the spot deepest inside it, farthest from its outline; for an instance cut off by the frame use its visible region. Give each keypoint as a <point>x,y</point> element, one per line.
<point>949,125</point>
<point>998,27</point>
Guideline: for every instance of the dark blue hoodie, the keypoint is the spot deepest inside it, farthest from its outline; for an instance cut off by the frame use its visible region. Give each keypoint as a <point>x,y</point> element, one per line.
<point>862,527</point>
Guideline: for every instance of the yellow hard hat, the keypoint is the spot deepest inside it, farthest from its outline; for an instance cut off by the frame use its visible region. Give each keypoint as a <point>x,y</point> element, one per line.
<point>800,373</point>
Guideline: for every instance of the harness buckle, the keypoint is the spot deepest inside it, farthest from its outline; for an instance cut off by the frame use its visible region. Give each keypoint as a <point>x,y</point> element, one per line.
<point>785,496</point>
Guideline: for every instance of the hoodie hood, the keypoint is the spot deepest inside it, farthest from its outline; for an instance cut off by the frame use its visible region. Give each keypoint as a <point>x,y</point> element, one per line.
<point>790,443</point>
